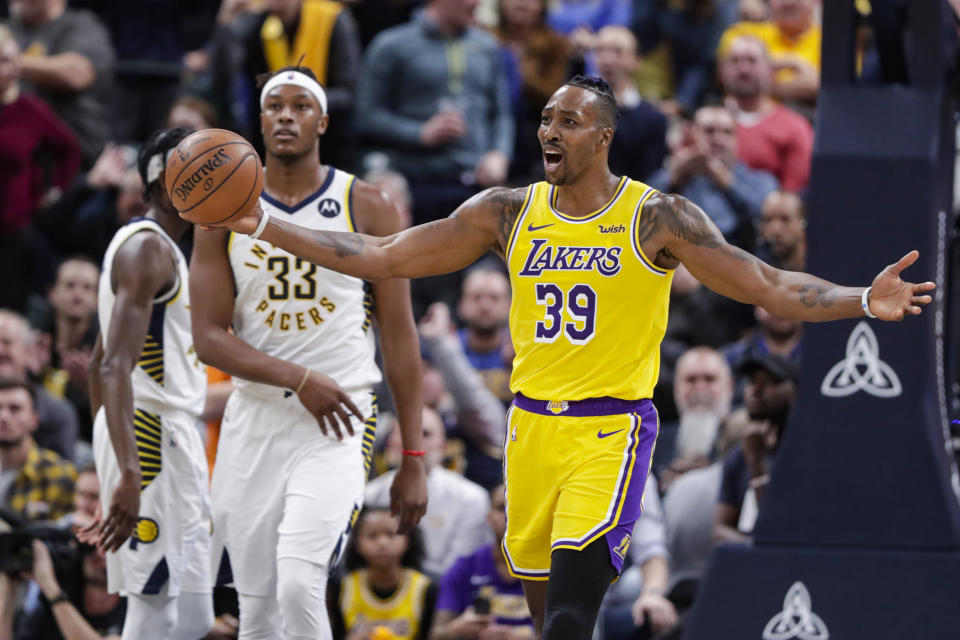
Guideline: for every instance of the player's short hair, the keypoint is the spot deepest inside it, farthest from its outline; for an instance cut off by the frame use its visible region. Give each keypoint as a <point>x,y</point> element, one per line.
<point>608,111</point>
<point>264,78</point>
<point>160,141</point>
<point>8,383</point>
<point>412,558</point>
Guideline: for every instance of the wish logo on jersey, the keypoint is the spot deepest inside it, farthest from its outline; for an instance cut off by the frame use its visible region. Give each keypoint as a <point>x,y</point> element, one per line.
<point>546,257</point>
<point>292,279</point>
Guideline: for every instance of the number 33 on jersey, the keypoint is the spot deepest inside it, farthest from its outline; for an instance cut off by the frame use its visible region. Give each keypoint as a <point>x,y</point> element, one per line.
<point>589,309</point>
<point>297,311</point>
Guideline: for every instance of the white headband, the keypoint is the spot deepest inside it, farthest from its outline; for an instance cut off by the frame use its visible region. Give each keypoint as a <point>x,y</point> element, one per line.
<point>157,163</point>
<point>298,79</point>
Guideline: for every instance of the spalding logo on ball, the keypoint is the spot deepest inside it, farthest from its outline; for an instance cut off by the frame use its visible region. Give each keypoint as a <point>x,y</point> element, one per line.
<point>214,175</point>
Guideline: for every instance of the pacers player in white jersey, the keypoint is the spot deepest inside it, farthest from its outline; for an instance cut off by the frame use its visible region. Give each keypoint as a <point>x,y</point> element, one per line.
<point>149,455</point>
<point>291,463</point>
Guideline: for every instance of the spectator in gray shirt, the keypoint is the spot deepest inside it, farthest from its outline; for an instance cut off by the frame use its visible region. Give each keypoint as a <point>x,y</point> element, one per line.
<point>433,95</point>
<point>67,61</point>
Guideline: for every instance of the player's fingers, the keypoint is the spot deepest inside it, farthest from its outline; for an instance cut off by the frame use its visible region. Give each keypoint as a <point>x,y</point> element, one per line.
<point>334,426</point>
<point>904,262</point>
<point>914,310</point>
<point>924,287</point>
<point>345,399</point>
<point>918,300</point>
<point>345,419</point>
<point>321,423</point>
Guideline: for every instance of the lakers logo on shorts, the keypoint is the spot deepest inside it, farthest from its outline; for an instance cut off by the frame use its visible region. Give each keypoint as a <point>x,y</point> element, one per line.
<point>556,407</point>
<point>621,549</point>
<point>146,530</point>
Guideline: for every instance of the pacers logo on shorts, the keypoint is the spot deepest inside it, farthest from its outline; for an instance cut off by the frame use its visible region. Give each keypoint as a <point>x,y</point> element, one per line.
<point>556,407</point>
<point>146,530</point>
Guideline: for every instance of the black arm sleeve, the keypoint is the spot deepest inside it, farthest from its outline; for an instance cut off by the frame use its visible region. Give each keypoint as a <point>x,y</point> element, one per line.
<point>429,608</point>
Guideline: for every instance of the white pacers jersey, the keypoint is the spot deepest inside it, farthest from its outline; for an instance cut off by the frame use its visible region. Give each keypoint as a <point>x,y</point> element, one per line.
<point>294,310</point>
<point>168,374</point>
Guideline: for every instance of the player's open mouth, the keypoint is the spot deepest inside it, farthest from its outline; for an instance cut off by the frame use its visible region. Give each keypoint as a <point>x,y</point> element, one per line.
<point>552,158</point>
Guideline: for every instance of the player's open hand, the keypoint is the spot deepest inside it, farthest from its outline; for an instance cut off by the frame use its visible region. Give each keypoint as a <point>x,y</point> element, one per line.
<point>329,404</point>
<point>123,514</point>
<point>893,299</point>
<point>408,493</point>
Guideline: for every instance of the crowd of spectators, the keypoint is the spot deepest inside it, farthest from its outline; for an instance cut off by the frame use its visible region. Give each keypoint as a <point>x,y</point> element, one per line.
<point>431,101</point>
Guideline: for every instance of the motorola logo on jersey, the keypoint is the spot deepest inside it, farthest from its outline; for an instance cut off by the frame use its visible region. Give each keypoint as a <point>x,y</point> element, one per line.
<point>547,257</point>
<point>329,208</point>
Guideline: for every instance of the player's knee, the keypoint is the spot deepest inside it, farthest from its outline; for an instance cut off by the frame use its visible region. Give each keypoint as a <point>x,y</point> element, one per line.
<point>259,618</point>
<point>149,617</point>
<point>194,616</point>
<point>301,594</point>
<point>567,623</point>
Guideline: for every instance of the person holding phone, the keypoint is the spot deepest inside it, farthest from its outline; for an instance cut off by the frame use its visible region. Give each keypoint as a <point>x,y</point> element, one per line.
<point>478,596</point>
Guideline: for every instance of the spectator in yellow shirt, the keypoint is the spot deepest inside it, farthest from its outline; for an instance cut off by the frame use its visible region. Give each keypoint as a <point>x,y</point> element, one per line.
<point>792,36</point>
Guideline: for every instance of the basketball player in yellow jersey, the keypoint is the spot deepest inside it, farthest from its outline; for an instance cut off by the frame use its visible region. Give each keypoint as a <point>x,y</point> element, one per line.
<point>591,256</point>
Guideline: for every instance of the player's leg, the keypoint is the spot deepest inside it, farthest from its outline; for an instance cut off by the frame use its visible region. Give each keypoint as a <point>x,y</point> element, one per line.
<point>247,503</point>
<point>324,493</point>
<point>259,617</point>
<point>150,617</point>
<point>578,582</point>
<point>195,599</point>
<point>535,593</point>
<point>302,596</point>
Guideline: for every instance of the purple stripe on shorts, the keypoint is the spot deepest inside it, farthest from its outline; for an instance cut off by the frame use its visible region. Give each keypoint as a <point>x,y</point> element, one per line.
<point>584,408</point>
<point>618,538</point>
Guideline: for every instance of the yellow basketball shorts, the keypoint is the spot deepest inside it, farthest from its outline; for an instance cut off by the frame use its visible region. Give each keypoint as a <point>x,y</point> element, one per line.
<point>574,473</point>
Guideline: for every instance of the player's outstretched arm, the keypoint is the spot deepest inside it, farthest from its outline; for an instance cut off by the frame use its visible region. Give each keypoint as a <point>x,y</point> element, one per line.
<point>483,222</point>
<point>676,230</point>
<point>143,268</point>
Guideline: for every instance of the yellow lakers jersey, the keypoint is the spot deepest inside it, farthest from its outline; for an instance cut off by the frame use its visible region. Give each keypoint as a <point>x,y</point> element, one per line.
<point>398,617</point>
<point>589,308</point>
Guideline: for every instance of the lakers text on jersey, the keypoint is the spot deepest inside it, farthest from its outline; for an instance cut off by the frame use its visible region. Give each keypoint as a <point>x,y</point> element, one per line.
<point>589,309</point>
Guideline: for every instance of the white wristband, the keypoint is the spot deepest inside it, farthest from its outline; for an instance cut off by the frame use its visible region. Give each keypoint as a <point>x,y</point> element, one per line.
<point>264,217</point>
<point>865,303</point>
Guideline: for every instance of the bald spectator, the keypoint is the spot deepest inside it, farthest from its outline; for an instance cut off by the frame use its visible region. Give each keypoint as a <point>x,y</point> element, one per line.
<point>57,424</point>
<point>35,483</point>
<point>68,62</point>
<point>783,229</point>
<point>453,525</point>
<point>640,146</point>
<point>792,35</point>
<point>703,392</point>
<point>770,136</point>
<point>704,169</point>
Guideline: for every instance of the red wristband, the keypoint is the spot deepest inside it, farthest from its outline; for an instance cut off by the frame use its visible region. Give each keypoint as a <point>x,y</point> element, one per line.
<point>418,453</point>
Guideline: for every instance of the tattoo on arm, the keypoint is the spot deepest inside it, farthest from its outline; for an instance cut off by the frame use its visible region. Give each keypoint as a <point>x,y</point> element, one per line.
<point>507,203</point>
<point>813,295</point>
<point>681,218</point>
<point>344,245</point>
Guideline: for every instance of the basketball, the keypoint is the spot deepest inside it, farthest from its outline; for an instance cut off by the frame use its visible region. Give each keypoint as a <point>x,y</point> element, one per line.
<point>212,176</point>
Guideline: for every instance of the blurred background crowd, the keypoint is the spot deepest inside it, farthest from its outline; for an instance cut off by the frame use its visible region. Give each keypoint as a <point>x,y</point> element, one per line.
<point>432,101</point>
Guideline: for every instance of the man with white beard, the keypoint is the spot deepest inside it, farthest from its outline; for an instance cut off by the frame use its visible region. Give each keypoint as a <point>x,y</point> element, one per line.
<point>703,392</point>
